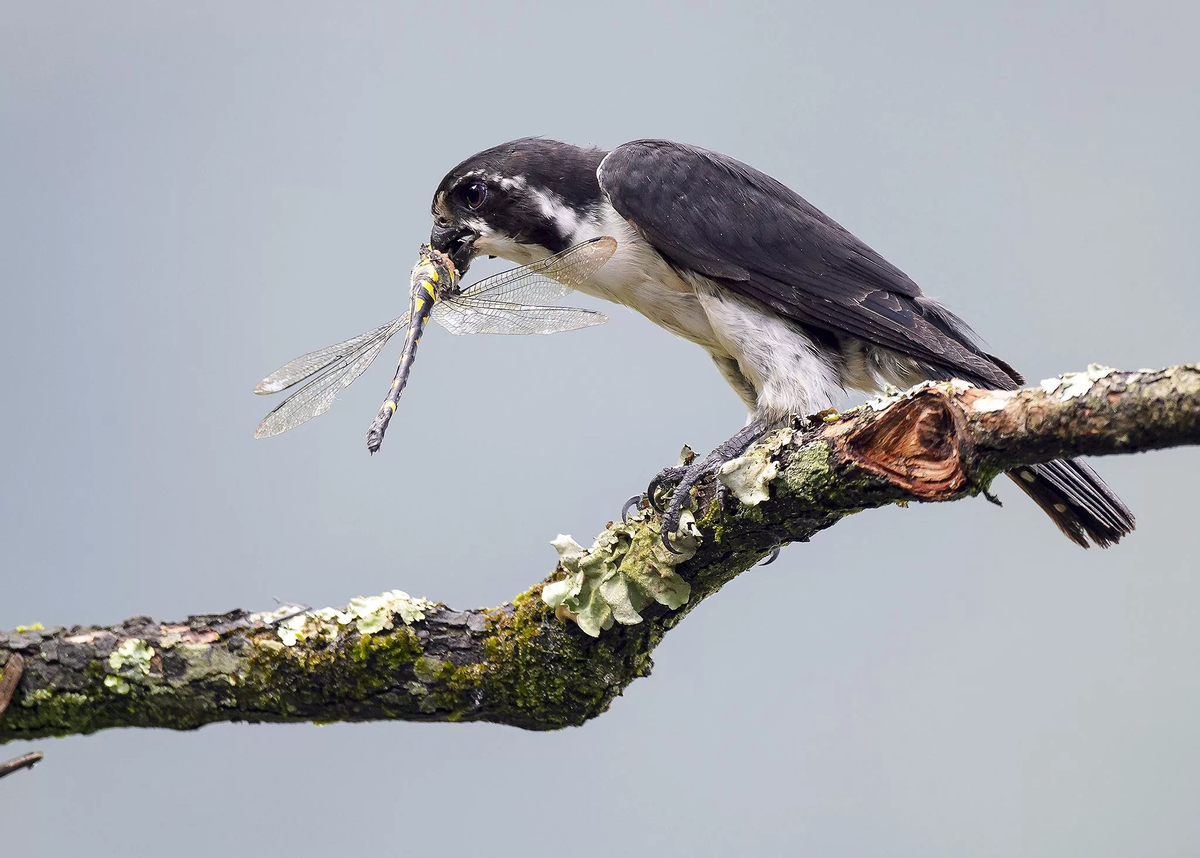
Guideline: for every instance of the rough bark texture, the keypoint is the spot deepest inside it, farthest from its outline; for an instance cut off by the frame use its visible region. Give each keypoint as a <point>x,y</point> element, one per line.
<point>392,657</point>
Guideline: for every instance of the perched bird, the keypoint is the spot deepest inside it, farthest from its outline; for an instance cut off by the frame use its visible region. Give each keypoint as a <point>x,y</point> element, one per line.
<point>791,307</point>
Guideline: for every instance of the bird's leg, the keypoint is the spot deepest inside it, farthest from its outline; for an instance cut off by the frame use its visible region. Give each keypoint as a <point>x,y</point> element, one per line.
<point>698,469</point>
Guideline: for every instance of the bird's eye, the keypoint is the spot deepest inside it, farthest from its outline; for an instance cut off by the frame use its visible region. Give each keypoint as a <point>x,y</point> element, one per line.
<point>475,194</point>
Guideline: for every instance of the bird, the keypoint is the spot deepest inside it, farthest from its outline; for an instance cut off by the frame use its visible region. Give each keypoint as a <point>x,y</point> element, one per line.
<point>791,307</point>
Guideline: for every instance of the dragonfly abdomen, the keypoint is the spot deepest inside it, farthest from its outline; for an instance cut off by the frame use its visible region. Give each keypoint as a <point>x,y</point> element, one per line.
<point>426,276</point>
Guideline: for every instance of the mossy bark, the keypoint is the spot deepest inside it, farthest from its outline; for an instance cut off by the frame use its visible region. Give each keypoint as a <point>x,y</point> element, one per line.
<point>522,665</point>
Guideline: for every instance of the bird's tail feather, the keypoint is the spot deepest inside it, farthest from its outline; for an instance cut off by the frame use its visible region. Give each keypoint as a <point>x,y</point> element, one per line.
<point>1077,500</point>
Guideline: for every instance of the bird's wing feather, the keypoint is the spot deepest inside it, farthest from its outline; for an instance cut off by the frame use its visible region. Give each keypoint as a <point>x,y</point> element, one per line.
<point>719,217</point>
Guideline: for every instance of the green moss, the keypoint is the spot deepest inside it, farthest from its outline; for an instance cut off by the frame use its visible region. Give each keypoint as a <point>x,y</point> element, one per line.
<point>537,671</point>
<point>389,652</point>
<point>809,475</point>
<point>983,478</point>
<point>64,712</point>
<point>712,524</point>
<point>357,667</point>
<point>39,696</point>
<point>533,670</point>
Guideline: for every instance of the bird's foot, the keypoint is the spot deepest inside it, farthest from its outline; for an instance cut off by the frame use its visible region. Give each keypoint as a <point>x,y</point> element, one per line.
<point>664,479</point>
<point>696,471</point>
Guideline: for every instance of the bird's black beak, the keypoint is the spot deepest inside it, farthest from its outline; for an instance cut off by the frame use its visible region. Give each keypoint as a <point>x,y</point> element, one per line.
<point>457,242</point>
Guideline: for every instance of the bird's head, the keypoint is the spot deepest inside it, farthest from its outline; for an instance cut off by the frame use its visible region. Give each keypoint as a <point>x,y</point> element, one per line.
<point>520,201</point>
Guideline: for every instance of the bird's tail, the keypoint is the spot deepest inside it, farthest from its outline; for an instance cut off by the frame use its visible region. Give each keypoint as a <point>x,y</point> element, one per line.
<point>1077,500</point>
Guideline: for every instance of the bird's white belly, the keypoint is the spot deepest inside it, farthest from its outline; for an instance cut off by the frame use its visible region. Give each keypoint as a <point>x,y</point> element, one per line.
<point>638,277</point>
<point>790,372</point>
<point>774,366</point>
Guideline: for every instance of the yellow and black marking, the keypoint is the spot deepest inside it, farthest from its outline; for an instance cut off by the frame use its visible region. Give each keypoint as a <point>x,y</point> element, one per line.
<point>434,277</point>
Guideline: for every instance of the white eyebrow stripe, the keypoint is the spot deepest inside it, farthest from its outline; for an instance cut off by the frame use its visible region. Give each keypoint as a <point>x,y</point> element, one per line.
<point>556,209</point>
<point>510,183</point>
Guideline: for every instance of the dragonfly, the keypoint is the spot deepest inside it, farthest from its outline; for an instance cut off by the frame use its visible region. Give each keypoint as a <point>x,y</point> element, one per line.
<point>511,302</point>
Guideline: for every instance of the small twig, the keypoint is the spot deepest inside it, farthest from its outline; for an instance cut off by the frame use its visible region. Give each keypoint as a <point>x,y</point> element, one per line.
<point>8,685</point>
<point>25,761</point>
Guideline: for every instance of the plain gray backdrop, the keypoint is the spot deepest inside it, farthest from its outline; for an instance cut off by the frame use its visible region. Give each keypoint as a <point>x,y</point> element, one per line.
<point>192,194</point>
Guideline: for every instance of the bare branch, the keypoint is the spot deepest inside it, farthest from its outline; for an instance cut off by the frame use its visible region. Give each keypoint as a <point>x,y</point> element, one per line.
<point>524,664</point>
<point>25,761</point>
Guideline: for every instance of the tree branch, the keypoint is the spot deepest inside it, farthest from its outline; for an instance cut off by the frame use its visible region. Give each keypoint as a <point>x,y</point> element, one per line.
<point>531,666</point>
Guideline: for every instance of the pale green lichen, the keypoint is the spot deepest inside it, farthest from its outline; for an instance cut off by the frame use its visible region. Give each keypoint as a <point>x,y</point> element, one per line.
<point>117,684</point>
<point>809,475</point>
<point>368,614</point>
<point>892,395</point>
<point>129,661</point>
<point>624,571</point>
<point>1072,385</point>
<point>996,400</point>
<point>204,661</point>
<point>132,656</point>
<point>749,476</point>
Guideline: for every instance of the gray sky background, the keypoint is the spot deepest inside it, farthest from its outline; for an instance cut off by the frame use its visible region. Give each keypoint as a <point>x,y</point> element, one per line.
<point>192,194</point>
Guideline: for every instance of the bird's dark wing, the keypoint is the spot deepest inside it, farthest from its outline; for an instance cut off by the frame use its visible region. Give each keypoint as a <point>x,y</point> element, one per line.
<point>719,217</point>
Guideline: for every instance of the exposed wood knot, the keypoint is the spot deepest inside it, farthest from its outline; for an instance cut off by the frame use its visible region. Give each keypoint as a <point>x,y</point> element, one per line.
<point>917,444</point>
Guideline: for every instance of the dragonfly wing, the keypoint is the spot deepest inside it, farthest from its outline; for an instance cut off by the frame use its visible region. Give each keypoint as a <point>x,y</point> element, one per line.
<point>463,315</point>
<point>299,369</point>
<point>317,394</point>
<point>546,279</point>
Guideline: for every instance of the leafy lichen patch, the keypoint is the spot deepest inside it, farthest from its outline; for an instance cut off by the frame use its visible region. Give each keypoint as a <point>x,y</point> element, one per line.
<point>892,395</point>
<point>1071,385</point>
<point>368,614</point>
<point>128,662</point>
<point>749,476</point>
<point>132,656</point>
<point>995,400</point>
<point>624,571</point>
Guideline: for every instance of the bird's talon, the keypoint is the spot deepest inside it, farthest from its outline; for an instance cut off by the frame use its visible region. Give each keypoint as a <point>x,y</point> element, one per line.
<point>772,557</point>
<point>633,502</point>
<point>666,539</point>
<point>664,479</point>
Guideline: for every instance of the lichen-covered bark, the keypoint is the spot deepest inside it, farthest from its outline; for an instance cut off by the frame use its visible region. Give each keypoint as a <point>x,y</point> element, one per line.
<point>528,665</point>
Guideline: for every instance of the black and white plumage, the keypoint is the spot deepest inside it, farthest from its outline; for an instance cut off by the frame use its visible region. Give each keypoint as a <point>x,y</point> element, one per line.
<point>791,307</point>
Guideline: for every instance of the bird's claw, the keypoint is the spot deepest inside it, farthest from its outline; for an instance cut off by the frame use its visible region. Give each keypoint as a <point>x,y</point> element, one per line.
<point>772,557</point>
<point>681,479</point>
<point>670,523</point>
<point>667,478</point>
<point>664,483</point>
